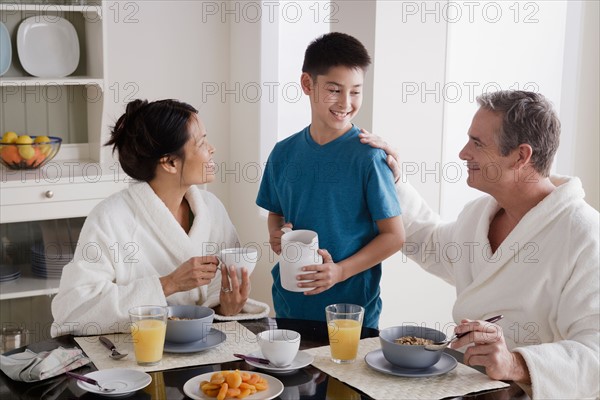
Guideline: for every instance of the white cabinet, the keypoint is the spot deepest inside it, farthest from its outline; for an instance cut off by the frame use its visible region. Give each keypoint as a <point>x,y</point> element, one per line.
<point>71,108</point>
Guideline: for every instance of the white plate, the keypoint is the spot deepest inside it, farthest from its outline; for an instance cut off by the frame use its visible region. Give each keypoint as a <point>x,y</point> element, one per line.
<point>9,270</point>
<point>125,381</point>
<point>214,338</point>
<point>192,387</point>
<point>302,360</point>
<point>5,49</point>
<point>10,277</point>
<point>377,361</point>
<point>48,47</point>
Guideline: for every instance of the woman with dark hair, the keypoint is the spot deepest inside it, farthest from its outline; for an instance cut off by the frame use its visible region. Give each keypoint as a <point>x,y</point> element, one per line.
<point>151,243</point>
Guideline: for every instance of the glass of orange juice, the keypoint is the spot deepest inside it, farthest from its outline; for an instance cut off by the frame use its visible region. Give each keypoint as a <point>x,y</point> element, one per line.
<point>148,329</point>
<point>344,322</point>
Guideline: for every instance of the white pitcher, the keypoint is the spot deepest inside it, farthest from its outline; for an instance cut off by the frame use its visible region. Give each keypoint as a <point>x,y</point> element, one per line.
<point>298,249</point>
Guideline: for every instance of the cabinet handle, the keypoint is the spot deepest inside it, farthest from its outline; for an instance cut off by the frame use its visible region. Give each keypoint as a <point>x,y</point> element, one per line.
<point>49,194</point>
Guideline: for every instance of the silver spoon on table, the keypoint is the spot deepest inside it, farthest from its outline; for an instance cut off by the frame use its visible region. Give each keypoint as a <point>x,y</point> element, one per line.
<point>115,355</point>
<point>90,381</point>
<point>253,359</point>
<point>435,346</point>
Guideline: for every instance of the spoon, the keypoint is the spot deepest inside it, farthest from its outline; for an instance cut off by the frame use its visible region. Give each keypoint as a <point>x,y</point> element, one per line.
<point>253,359</point>
<point>90,381</point>
<point>435,346</point>
<point>115,355</point>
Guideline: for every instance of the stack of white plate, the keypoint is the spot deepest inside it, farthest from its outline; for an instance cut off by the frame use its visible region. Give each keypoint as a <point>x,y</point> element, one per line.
<point>48,261</point>
<point>9,273</point>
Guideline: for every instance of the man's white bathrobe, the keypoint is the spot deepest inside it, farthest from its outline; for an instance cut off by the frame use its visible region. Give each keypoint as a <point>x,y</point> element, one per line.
<point>544,279</point>
<point>127,242</point>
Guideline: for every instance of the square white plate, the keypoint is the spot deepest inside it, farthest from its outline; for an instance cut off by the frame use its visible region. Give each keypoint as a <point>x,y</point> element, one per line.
<point>48,46</point>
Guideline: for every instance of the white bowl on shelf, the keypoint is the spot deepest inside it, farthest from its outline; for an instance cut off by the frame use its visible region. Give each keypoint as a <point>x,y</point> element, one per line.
<point>5,49</point>
<point>48,46</point>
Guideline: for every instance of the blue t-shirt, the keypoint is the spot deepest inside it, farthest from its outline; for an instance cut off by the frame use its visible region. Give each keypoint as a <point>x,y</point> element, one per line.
<point>338,190</point>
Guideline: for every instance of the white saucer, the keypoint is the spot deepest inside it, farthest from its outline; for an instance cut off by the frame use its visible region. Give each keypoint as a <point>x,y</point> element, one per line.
<point>302,360</point>
<point>377,361</point>
<point>125,381</point>
<point>214,338</point>
<point>192,387</point>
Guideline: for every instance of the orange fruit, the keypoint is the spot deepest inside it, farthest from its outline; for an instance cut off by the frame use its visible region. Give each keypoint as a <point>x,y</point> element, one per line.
<point>10,155</point>
<point>37,159</point>
<point>45,148</point>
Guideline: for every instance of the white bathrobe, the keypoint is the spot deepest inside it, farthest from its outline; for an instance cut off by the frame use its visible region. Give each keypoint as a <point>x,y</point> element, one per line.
<point>127,243</point>
<point>544,279</point>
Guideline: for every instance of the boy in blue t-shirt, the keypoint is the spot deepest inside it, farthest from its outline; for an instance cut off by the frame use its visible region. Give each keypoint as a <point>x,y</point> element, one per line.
<point>323,179</point>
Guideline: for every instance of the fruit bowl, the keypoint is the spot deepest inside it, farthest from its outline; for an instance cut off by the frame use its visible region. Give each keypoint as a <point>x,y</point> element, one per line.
<point>29,155</point>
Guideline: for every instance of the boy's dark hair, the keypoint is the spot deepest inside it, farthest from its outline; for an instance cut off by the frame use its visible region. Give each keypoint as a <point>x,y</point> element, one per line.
<point>332,50</point>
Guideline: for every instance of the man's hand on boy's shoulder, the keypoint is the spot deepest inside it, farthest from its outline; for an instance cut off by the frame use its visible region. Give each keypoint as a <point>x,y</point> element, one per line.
<point>393,158</point>
<point>323,276</point>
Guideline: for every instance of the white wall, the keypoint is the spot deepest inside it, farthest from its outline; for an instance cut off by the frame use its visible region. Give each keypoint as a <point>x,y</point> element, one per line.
<point>244,164</point>
<point>578,151</point>
<point>357,18</point>
<point>299,24</point>
<point>160,49</point>
<point>505,47</point>
<point>587,131</point>
<point>410,53</point>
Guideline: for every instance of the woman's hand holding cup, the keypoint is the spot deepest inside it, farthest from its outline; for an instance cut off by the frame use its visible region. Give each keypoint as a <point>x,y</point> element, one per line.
<point>197,271</point>
<point>234,292</point>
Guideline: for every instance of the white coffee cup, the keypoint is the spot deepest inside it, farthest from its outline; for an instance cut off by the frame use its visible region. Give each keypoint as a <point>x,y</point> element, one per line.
<point>298,249</point>
<point>239,257</point>
<point>279,346</point>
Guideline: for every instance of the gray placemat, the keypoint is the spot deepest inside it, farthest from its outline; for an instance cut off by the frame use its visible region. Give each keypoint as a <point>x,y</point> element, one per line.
<point>239,340</point>
<point>458,382</point>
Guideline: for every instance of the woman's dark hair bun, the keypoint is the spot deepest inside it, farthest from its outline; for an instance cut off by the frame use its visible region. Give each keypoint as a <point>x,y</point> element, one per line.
<point>135,105</point>
<point>148,131</point>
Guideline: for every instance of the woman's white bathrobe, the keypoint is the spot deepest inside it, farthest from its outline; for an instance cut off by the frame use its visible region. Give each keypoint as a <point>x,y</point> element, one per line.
<point>127,242</point>
<point>544,279</point>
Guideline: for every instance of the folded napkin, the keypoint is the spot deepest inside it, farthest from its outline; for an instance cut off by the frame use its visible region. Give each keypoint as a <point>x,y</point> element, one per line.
<point>30,367</point>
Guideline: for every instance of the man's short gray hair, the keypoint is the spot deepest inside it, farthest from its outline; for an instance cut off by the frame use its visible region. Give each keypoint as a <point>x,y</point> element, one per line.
<point>528,118</point>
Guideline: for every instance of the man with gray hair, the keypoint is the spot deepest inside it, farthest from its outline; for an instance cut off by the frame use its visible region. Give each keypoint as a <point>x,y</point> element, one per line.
<point>529,250</point>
